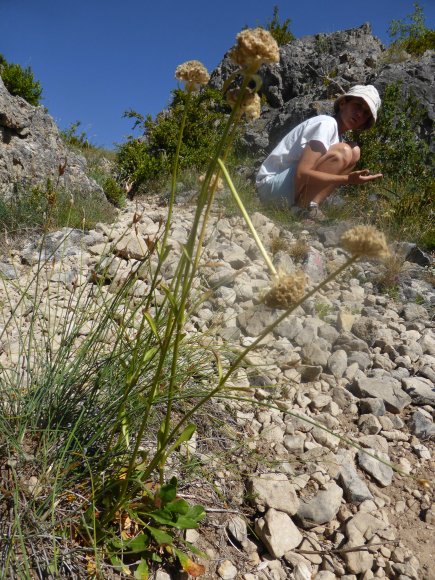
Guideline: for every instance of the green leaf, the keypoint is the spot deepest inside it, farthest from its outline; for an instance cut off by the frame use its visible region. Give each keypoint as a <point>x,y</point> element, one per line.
<point>153,327</point>
<point>170,296</point>
<point>142,571</point>
<point>185,436</point>
<point>161,517</point>
<point>179,506</point>
<point>118,564</point>
<point>196,512</point>
<point>160,536</point>
<point>168,491</point>
<point>138,544</point>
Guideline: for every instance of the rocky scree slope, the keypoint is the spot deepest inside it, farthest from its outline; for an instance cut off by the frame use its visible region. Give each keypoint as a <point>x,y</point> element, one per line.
<point>289,499</point>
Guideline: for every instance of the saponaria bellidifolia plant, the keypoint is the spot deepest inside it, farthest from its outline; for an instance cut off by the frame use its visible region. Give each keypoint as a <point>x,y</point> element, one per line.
<point>104,410</point>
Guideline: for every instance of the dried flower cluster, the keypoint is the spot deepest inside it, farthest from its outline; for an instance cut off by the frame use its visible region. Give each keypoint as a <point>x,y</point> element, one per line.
<point>287,290</point>
<point>193,73</point>
<point>250,105</point>
<point>365,241</point>
<point>216,183</point>
<point>254,47</point>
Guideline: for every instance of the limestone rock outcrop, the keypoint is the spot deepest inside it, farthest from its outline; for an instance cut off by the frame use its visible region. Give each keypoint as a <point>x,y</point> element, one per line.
<point>31,151</point>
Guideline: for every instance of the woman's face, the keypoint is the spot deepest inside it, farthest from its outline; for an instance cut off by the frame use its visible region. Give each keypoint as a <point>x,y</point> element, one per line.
<point>354,113</point>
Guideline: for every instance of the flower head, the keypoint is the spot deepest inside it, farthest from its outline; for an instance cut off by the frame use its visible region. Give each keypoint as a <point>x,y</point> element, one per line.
<point>365,241</point>
<point>287,290</point>
<point>250,105</point>
<point>193,73</point>
<point>254,47</point>
<point>216,182</point>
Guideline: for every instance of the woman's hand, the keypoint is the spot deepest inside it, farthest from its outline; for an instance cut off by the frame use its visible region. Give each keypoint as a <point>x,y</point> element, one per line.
<point>362,176</point>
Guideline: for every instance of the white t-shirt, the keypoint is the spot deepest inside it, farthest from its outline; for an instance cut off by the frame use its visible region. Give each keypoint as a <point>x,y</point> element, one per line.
<point>289,150</point>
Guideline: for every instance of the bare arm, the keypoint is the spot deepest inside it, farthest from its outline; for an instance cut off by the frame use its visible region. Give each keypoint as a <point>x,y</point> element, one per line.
<point>315,158</point>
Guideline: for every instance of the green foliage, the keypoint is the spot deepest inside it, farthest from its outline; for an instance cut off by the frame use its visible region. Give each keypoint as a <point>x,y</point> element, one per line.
<point>44,208</point>
<point>75,139</point>
<point>20,81</point>
<point>140,160</point>
<point>413,35</point>
<point>396,148</point>
<point>280,30</point>
<point>165,513</point>
<point>114,192</point>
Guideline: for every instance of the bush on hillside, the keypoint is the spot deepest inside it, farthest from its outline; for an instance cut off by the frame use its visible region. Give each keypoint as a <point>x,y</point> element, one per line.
<point>146,158</point>
<point>20,82</point>
<point>395,146</point>
<point>412,36</point>
<point>280,30</point>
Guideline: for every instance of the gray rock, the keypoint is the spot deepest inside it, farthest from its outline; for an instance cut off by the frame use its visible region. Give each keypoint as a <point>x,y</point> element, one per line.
<point>31,149</point>
<point>323,507</point>
<point>312,354</point>
<point>362,359</point>
<point>273,490</point>
<point>350,343</point>
<point>8,271</point>
<point>314,266</point>
<point>414,312</point>
<point>337,363</point>
<point>354,488</point>
<point>422,425</point>
<point>373,406</point>
<point>253,322</point>
<point>421,391</point>
<point>385,388</point>
<point>381,472</point>
<point>238,528</point>
<point>278,533</point>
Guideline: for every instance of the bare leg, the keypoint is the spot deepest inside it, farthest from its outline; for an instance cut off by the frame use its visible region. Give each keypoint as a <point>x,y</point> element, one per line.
<point>340,159</point>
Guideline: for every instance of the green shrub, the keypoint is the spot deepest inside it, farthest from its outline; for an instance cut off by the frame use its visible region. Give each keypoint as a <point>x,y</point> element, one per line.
<point>114,192</point>
<point>144,159</point>
<point>20,82</point>
<point>75,139</point>
<point>280,30</point>
<point>413,36</point>
<point>396,148</point>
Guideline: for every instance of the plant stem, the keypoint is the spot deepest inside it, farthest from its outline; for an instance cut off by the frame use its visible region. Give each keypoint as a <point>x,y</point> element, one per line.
<point>247,218</point>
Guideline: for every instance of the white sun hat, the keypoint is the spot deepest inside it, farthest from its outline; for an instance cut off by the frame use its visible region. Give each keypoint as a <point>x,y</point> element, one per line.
<point>369,94</point>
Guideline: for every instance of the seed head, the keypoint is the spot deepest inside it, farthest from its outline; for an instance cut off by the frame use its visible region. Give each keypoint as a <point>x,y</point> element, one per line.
<point>254,47</point>
<point>216,182</point>
<point>250,105</point>
<point>287,290</point>
<point>193,73</point>
<point>365,241</point>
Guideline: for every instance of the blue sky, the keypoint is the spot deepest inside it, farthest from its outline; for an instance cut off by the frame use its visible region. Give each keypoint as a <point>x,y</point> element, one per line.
<point>97,58</point>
